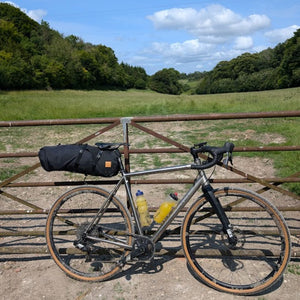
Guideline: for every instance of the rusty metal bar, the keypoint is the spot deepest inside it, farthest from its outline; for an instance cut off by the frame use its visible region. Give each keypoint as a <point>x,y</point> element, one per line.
<point>164,251</point>
<point>19,154</point>
<point>263,182</point>
<point>219,116</point>
<point>17,199</point>
<point>24,250</point>
<point>147,181</point>
<point>22,233</point>
<point>236,149</point>
<point>38,233</point>
<point>58,122</point>
<point>13,178</point>
<point>151,209</point>
<point>180,117</point>
<point>99,132</point>
<point>160,136</point>
<point>168,150</point>
<point>24,212</point>
<point>267,148</point>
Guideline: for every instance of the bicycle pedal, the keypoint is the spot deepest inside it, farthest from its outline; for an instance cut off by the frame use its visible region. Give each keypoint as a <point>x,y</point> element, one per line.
<point>80,246</point>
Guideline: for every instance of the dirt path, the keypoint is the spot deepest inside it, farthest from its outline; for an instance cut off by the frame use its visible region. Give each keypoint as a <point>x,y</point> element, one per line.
<point>167,278</point>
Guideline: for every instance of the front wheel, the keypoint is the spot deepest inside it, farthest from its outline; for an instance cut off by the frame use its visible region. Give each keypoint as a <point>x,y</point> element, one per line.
<point>262,251</point>
<point>82,251</point>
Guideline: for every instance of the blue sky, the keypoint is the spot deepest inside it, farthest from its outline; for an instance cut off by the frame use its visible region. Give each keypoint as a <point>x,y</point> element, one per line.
<point>186,35</point>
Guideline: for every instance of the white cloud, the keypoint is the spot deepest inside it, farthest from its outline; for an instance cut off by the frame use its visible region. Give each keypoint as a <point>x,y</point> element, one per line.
<point>183,52</point>
<point>36,14</point>
<point>174,18</point>
<point>175,55</point>
<point>225,55</point>
<point>280,35</point>
<point>220,34</point>
<point>214,23</point>
<point>243,43</point>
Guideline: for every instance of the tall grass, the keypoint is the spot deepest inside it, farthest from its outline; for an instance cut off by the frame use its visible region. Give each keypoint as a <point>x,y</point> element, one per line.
<point>65,104</point>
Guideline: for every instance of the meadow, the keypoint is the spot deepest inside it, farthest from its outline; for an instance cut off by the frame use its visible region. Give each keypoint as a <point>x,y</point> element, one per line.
<point>65,104</point>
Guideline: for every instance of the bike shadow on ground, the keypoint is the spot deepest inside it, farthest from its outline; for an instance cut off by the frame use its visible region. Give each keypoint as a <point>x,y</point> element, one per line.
<point>154,266</point>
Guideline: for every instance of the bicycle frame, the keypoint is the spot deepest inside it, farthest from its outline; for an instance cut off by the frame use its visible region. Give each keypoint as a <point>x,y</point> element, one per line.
<point>200,181</point>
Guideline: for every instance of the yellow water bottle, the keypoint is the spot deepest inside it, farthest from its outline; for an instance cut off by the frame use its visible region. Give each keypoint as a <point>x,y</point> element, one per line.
<point>165,208</point>
<point>142,207</point>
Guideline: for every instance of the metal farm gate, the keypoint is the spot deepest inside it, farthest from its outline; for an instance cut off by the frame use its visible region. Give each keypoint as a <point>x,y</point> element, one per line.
<point>22,225</point>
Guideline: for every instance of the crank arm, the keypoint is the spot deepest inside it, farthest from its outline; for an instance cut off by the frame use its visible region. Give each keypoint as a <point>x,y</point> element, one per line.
<point>95,239</point>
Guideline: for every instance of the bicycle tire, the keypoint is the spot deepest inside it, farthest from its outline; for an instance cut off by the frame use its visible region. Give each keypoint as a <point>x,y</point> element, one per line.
<point>261,255</point>
<point>68,218</point>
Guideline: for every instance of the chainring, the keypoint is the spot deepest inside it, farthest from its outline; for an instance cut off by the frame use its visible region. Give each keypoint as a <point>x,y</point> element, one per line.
<point>143,249</point>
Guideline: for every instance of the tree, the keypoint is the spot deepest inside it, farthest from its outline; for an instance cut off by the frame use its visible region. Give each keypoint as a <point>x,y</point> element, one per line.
<point>290,63</point>
<point>33,55</point>
<point>269,69</point>
<point>21,21</point>
<point>140,84</point>
<point>166,81</point>
<point>136,77</point>
<point>9,36</point>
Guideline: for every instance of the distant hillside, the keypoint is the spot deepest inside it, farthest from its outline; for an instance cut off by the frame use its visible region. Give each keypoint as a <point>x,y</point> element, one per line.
<point>33,56</point>
<point>270,69</point>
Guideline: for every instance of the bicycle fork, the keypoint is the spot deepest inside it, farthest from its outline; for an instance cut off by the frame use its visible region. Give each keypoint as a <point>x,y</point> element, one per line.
<point>216,205</point>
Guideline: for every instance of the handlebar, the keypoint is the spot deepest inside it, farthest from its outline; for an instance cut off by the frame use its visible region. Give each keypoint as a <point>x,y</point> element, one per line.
<point>216,152</point>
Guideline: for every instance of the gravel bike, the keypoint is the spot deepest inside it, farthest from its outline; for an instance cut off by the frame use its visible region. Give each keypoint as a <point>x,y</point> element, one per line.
<point>234,240</point>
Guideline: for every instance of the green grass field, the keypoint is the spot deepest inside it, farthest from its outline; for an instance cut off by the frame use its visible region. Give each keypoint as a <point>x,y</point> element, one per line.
<point>65,104</point>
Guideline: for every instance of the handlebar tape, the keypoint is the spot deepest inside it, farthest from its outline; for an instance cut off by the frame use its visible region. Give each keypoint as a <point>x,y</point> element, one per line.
<point>216,152</point>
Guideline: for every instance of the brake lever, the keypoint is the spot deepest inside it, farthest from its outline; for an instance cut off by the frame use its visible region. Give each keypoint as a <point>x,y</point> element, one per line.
<point>228,159</point>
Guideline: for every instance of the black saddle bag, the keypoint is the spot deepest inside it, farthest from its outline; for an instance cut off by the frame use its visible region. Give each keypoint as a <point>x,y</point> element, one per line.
<point>84,159</point>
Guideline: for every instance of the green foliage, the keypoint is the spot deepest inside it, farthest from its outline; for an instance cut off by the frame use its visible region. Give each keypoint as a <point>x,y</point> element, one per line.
<point>193,76</point>
<point>21,22</point>
<point>166,81</point>
<point>134,77</point>
<point>269,69</point>
<point>33,56</point>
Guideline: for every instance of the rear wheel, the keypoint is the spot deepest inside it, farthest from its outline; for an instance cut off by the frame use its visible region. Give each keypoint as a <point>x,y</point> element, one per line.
<point>97,255</point>
<point>261,254</point>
